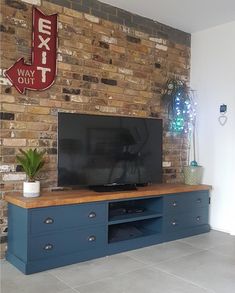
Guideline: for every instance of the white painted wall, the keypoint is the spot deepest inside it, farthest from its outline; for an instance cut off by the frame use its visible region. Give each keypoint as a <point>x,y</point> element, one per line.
<point>213,76</point>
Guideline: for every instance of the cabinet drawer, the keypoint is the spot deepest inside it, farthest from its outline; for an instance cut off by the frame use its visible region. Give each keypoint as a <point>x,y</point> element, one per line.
<point>199,217</point>
<point>199,199</point>
<point>58,244</point>
<point>175,203</point>
<point>188,201</point>
<point>174,223</point>
<point>182,221</point>
<point>61,217</point>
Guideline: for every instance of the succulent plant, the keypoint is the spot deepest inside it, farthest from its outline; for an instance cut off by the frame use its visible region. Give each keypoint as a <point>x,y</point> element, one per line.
<point>32,162</point>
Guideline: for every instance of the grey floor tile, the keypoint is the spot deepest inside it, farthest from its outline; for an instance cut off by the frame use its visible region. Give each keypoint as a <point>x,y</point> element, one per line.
<point>66,291</point>
<point>95,270</point>
<point>162,252</point>
<point>225,249</point>
<point>207,269</point>
<point>13,281</point>
<point>208,240</point>
<point>139,281</point>
<point>70,290</point>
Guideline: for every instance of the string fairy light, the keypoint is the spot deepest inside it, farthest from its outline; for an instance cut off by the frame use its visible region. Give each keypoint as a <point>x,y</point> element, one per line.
<point>181,107</point>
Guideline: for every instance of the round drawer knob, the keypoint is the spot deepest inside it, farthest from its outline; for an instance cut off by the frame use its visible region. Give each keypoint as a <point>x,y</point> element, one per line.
<point>174,223</point>
<point>174,204</point>
<point>48,247</point>
<point>92,238</point>
<point>199,200</point>
<point>92,215</point>
<point>48,221</point>
<point>198,218</point>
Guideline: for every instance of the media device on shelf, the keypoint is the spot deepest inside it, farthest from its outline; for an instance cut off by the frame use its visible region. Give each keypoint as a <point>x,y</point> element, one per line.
<point>108,152</point>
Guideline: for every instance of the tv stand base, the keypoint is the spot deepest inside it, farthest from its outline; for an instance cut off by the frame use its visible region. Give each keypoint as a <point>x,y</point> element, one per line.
<point>62,228</point>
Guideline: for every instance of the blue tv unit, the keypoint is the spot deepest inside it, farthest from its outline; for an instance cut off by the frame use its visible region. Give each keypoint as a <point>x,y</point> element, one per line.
<point>65,227</point>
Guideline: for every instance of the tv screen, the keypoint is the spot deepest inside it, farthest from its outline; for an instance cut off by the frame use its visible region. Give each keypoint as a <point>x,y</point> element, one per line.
<point>95,150</point>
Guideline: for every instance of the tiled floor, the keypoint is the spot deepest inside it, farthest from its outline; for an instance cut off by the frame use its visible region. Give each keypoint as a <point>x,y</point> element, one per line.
<point>199,264</point>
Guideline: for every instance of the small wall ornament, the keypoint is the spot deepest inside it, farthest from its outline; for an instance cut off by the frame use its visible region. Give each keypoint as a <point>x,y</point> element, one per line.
<point>223,118</point>
<point>40,74</point>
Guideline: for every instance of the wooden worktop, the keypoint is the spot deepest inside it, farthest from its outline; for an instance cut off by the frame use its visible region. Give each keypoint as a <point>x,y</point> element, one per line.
<point>56,198</point>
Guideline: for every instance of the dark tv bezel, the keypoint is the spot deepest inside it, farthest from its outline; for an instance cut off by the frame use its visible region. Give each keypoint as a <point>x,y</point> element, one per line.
<point>80,186</point>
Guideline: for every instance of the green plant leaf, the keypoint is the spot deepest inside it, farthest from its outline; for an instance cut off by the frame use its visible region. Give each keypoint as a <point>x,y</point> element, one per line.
<point>32,162</point>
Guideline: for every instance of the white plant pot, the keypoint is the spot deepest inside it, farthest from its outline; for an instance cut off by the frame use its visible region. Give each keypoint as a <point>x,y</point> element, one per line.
<point>31,189</point>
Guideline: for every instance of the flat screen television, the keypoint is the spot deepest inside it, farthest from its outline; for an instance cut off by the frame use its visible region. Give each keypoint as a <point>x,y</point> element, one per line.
<point>95,150</point>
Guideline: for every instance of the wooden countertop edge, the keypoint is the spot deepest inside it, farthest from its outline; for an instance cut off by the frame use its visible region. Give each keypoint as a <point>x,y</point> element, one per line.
<point>87,196</point>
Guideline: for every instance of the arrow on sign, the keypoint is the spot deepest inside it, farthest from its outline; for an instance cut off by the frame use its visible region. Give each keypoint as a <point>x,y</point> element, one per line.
<point>39,75</point>
<point>22,76</point>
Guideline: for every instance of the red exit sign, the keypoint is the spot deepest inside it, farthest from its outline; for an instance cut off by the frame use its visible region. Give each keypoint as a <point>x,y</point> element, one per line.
<point>40,74</point>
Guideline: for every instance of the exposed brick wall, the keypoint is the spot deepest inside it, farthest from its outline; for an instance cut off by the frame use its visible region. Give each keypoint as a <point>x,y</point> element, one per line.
<point>120,16</point>
<point>109,62</point>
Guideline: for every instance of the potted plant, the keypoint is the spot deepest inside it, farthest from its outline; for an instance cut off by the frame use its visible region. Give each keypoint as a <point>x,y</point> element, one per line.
<point>32,162</point>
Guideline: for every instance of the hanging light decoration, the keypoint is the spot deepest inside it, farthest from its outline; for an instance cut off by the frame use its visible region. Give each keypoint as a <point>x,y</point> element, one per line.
<point>181,107</point>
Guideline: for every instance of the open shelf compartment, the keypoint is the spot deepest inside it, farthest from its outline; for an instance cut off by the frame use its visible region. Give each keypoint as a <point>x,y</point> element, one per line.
<point>133,230</point>
<point>126,211</point>
<point>131,218</point>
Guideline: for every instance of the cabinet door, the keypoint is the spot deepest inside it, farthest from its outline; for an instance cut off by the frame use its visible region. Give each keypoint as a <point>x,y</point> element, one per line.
<point>67,242</point>
<point>69,216</point>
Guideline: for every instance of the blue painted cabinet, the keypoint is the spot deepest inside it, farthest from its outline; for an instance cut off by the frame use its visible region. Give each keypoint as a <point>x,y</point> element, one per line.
<point>185,214</point>
<point>44,238</point>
